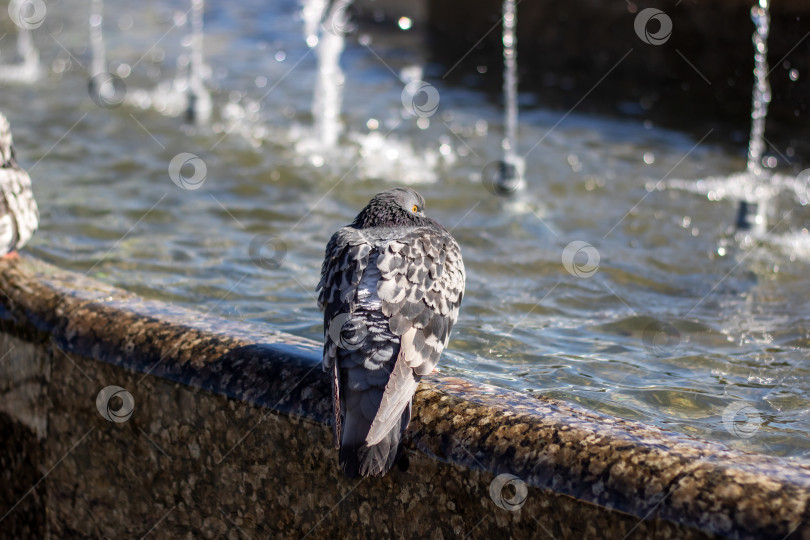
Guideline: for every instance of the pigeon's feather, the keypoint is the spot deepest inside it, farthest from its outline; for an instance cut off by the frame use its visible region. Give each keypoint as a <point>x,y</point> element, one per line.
<point>391,285</point>
<point>397,395</point>
<point>19,215</point>
<point>424,328</point>
<point>8,228</point>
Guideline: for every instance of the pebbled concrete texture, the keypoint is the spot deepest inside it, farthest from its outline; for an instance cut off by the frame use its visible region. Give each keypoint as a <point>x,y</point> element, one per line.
<point>229,437</point>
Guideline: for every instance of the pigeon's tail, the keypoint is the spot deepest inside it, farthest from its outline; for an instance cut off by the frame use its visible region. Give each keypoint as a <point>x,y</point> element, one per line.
<point>359,459</point>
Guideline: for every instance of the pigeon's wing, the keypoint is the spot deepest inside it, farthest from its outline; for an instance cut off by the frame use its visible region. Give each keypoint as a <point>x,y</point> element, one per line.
<point>18,199</point>
<point>8,227</point>
<point>346,258</point>
<point>421,287</point>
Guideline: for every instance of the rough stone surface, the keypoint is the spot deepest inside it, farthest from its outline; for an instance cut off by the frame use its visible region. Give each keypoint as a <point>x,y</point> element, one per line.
<point>229,438</point>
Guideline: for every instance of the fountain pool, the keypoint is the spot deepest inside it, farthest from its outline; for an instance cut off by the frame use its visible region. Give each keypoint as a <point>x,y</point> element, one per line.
<point>598,284</point>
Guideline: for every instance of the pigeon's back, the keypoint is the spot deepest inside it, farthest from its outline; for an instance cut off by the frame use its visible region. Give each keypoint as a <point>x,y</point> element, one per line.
<point>390,295</point>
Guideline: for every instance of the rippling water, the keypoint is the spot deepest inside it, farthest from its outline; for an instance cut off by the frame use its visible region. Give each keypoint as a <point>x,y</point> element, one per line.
<point>679,324</point>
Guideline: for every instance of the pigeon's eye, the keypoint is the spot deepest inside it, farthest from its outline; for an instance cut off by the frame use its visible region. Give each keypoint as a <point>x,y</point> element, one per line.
<point>415,208</point>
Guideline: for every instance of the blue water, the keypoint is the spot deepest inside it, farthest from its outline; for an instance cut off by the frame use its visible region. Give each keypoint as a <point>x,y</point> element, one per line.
<point>680,321</point>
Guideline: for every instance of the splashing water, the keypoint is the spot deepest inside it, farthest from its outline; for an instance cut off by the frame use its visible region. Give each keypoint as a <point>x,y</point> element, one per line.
<point>186,94</point>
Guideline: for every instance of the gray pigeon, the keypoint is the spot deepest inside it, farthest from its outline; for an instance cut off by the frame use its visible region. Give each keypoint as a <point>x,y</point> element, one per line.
<point>391,286</point>
<point>19,216</point>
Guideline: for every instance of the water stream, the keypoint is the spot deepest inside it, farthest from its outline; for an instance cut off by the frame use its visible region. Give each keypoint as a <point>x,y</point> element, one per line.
<point>328,93</point>
<point>198,108</point>
<point>513,171</point>
<point>98,54</point>
<point>758,187</point>
<point>26,70</point>
<point>753,210</point>
<point>761,94</point>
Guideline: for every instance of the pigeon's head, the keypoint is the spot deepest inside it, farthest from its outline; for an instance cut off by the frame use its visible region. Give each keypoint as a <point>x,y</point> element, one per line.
<point>6,152</point>
<point>398,207</point>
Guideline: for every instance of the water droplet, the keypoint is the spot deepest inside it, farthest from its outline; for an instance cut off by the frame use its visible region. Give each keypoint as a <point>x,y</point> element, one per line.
<point>372,124</point>
<point>793,74</point>
<point>405,23</point>
<point>423,123</point>
<point>261,81</point>
<point>649,158</point>
<point>280,56</point>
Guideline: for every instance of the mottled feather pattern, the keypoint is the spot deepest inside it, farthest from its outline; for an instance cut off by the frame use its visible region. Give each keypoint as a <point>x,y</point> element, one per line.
<point>395,291</point>
<point>19,215</point>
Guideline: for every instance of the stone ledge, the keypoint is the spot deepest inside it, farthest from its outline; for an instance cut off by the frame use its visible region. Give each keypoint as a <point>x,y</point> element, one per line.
<point>204,386</point>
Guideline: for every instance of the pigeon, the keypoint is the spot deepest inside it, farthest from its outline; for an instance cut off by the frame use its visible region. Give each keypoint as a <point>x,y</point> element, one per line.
<point>391,286</point>
<point>19,215</point>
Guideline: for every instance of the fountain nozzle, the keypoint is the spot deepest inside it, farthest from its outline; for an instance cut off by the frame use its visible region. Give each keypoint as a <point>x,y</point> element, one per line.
<point>752,217</point>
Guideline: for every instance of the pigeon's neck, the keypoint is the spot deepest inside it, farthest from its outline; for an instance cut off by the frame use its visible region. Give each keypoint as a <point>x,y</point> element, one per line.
<point>373,216</point>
